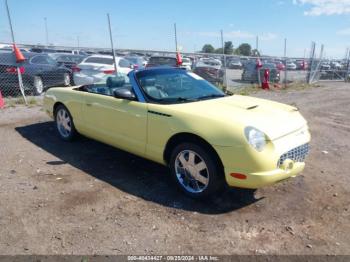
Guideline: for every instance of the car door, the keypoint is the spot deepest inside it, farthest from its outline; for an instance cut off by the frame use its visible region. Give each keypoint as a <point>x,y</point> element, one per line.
<point>118,122</point>
<point>47,71</point>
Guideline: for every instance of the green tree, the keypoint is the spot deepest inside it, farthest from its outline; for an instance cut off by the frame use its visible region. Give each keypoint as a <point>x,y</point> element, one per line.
<point>208,48</point>
<point>228,48</point>
<point>245,49</point>
<point>218,50</point>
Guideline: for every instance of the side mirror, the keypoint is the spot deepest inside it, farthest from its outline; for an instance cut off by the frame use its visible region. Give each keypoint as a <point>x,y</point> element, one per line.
<point>124,93</point>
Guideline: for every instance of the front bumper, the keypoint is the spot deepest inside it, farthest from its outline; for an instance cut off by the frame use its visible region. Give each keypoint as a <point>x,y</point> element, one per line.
<point>281,159</point>
<point>261,179</point>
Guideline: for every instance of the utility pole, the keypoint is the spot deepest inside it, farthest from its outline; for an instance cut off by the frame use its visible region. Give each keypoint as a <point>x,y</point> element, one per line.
<point>285,59</point>
<point>257,43</point>
<point>19,74</point>
<point>46,32</point>
<point>111,38</point>
<point>175,32</point>
<point>10,22</point>
<point>223,53</point>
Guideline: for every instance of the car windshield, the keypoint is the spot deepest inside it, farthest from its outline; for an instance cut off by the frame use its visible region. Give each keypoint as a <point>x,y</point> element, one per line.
<point>176,86</point>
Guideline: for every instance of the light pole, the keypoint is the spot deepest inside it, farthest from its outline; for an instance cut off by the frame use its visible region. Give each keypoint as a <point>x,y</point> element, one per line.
<point>175,32</point>
<point>111,38</point>
<point>223,53</point>
<point>46,32</point>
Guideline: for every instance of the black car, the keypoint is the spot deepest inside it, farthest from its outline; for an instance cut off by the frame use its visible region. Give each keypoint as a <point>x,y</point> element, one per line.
<point>162,61</point>
<point>250,72</point>
<point>39,72</point>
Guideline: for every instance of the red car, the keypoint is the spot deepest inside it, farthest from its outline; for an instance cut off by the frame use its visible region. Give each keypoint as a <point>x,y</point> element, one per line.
<point>280,66</point>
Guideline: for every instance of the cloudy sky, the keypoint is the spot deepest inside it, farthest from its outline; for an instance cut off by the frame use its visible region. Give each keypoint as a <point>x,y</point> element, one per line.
<point>142,24</point>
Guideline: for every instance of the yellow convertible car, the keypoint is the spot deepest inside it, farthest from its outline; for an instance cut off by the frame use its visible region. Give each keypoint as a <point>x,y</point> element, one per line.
<point>176,118</point>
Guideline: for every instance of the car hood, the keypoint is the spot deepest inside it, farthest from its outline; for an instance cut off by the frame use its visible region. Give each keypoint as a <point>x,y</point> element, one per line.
<point>272,118</point>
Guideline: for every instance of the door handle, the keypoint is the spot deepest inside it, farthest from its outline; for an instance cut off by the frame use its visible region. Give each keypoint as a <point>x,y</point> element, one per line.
<point>88,104</point>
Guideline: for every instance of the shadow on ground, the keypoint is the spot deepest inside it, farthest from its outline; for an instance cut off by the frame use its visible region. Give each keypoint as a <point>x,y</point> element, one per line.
<point>129,173</point>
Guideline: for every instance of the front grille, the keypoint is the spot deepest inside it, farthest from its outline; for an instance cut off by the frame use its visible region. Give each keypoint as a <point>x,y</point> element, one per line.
<point>297,154</point>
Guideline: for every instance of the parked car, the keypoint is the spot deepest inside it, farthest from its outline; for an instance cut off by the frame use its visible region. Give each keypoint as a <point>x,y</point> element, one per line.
<point>325,66</point>
<point>280,66</point>
<point>244,60</point>
<point>291,65</point>
<point>235,63</point>
<point>162,61</point>
<point>163,116</point>
<point>186,63</point>
<point>210,69</point>
<point>10,49</point>
<point>97,68</point>
<point>68,60</point>
<point>39,72</point>
<point>301,64</point>
<point>42,50</point>
<point>336,65</point>
<point>137,61</point>
<point>250,72</point>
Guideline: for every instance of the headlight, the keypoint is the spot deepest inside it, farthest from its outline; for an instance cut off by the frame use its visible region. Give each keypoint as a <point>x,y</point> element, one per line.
<point>255,137</point>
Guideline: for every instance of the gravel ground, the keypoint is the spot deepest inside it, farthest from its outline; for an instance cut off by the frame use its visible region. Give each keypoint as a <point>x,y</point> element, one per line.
<point>88,198</point>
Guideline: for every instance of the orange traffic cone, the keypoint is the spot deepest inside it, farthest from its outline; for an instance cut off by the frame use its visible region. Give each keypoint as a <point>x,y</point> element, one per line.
<point>178,58</point>
<point>19,56</point>
<point>2,101</point>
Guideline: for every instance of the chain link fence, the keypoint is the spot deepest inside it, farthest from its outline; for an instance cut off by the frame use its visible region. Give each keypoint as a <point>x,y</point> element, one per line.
<point>44,68</point>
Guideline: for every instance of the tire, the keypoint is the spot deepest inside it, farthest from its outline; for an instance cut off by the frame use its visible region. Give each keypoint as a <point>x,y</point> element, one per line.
<point>38,85</point>
<point>188,160</point>
<point>64,124</point>
<point>66,79</point>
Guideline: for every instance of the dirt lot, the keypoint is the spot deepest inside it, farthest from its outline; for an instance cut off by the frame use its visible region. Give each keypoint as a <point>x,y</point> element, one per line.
<point>88,198</point>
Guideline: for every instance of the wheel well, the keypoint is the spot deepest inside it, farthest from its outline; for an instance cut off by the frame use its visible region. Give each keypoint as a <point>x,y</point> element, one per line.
<point>55,107</point>
<point>188,137</point>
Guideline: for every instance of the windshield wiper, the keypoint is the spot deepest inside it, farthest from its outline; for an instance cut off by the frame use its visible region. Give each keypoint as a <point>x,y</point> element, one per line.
<point>210,96</point>
<point>177,99</point>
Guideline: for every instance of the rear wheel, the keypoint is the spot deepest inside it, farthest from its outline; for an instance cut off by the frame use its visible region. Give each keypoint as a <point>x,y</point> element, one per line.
<point>64,123</point>
<point>195,170</point>
<point>38,85</point>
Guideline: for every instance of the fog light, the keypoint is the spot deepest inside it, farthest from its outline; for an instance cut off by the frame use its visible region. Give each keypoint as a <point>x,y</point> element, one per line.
<point>288,164</point>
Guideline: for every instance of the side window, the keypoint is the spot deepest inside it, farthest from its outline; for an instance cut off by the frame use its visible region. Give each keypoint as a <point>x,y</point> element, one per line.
<point>124,63</point>
<point>39,60</point>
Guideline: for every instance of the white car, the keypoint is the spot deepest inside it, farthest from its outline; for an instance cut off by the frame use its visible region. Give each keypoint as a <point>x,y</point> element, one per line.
<point>212,62</point>
<point>186,63</point>
<point>291,66</point>
<point>97,68</point>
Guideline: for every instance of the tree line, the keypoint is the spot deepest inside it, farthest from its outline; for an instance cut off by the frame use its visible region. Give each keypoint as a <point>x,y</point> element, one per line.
<point>244,49</point>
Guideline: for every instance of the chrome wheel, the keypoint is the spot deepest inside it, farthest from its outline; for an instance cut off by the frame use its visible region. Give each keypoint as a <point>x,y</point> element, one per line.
<point>64,123</point>
<point>66,79</point>
<point>191,171</point>
<point>38,85</point>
